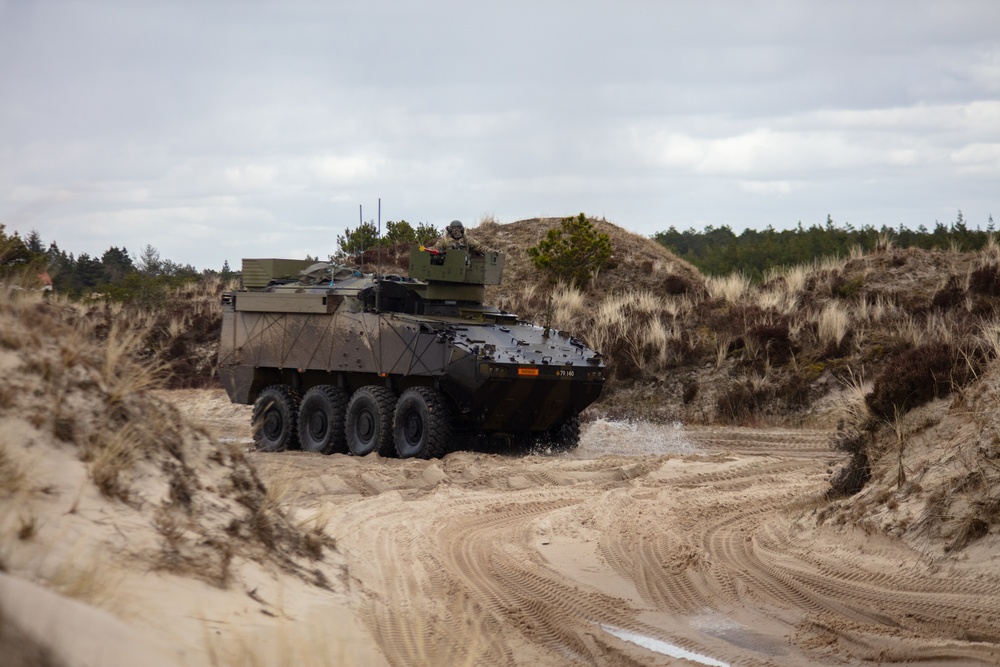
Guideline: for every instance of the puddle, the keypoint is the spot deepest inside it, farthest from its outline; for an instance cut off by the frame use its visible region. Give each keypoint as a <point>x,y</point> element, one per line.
<point>633,438</point>
<point>662,647</point>
<point>738,635</point>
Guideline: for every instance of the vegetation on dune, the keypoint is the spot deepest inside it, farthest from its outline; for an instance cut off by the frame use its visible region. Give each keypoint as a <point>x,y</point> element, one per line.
<point>173,311</point>
<point>86,384</point>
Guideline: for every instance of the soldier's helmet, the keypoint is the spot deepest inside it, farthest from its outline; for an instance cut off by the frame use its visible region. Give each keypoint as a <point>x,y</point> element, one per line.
<point>456,226</point>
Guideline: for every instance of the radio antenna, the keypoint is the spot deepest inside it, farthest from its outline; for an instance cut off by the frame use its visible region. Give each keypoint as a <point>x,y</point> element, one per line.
<point>361,239</point>
<point>378,245</point>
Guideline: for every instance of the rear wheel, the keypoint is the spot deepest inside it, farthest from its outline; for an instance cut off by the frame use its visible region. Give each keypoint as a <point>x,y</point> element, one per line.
<point>275,418</point>
<point>369,421</point>
<point>321,420</point>
<point>422,425</point>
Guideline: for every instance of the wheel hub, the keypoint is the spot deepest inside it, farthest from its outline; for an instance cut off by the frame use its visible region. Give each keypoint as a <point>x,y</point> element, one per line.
<point>366,426</point>
<point>413,427</point>
<point>318,425</point>
<point>272,424</point>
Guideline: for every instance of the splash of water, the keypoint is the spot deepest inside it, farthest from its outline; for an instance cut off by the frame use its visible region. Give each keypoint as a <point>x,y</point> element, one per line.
<point>633,438</point>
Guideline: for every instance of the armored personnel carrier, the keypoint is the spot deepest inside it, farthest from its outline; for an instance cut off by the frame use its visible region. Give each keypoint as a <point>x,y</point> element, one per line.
<point>337,361</point>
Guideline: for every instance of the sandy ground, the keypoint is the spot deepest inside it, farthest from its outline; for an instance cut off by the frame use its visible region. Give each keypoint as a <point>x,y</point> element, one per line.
<point>649,545</point>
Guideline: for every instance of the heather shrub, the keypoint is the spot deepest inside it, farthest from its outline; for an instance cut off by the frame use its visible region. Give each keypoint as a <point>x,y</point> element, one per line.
<point>846,288</point>
<point>949,296</point>
<point>986,280</point>
<point>741,402</point>
<point>674,284</point>
<point>913,378</point>
<point>774,338</point>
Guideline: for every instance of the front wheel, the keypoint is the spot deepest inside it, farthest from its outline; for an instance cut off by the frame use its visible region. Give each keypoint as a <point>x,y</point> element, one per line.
<point>422,425</point>
<point>275,419</point>
<point>321,420</point>
<point>369,421</point>
<point>566,436</point>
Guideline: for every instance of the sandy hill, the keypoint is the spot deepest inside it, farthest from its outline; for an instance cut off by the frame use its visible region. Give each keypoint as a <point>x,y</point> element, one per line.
<point>637,262</point>
<point>109,496</point>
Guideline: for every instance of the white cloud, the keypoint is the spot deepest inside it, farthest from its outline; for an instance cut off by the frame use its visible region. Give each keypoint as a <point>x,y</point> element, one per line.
<point>770,187</point>
<point>251,176</point>
<point>342,170</point>
<point>766,152</point>
<point>975,116</point>
<point>819,141</point>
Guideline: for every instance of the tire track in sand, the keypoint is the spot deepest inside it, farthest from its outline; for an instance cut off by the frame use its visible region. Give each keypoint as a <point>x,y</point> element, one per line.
<point>713,552</point>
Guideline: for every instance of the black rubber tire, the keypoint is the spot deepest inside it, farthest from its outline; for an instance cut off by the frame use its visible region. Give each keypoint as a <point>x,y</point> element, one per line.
<point>275,419</point>
<point>322,414</point>
<point>566,436</point>
<point>422,425</point>
<point>369,421</point>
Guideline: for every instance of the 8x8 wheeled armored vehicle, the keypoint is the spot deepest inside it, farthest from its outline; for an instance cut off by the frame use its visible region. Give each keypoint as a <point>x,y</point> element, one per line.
<point>336,361</point>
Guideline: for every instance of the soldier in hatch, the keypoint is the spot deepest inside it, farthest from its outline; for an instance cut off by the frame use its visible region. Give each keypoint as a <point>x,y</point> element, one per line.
<point>455,239</point>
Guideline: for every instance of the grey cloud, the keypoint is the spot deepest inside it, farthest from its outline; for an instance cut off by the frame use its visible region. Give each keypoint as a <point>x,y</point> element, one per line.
<point>219,129</point>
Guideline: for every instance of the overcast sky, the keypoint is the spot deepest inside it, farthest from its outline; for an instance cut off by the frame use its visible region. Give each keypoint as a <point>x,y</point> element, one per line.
<point>220,130</point>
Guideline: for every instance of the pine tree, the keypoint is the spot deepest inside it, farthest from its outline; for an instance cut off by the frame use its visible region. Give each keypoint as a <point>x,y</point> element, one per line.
<point>399,232</point>
<point>573,253</point>
<point>149,261</point>
<point>117,264</point>
<point>34,242</point>
<point>356,241</point>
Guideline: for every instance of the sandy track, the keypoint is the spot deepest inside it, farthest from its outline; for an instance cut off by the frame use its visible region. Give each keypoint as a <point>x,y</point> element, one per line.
<point>699,547</point>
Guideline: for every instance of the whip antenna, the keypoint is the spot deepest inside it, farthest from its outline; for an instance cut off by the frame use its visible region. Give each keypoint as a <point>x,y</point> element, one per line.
<point>378,245</point>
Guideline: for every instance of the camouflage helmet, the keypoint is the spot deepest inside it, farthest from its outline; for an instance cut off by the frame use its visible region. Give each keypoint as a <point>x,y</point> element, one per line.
<point>456,224</point>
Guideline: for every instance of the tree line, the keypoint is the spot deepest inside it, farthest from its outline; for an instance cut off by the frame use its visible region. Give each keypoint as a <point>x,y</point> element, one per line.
<point>115,275</point>
<point>121,276</point>
<point>719,251</point>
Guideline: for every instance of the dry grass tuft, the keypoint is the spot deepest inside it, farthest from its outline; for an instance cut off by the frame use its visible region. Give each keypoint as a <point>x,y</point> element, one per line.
<point>640,329</point>
<point>833,325</point>
<point>869,311</point>
<point>568,304</point>
<point>785,302</point>
<point>110,456</point>
<point>856,406</point>
<point>121,373</point>
<point>730,288</point>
